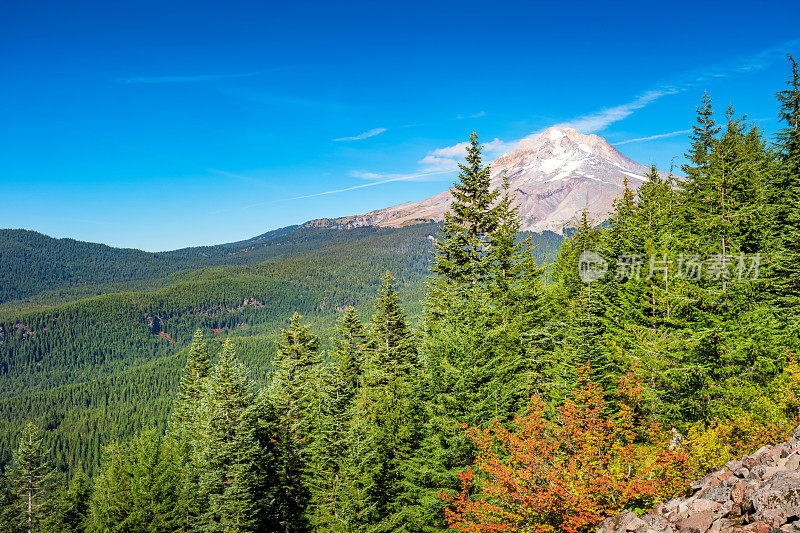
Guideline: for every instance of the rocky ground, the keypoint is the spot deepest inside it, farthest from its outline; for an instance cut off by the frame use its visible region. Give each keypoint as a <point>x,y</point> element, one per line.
<point>758,494</point>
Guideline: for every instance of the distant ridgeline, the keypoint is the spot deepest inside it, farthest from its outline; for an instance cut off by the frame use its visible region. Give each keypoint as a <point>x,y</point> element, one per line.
<point>92,337</point>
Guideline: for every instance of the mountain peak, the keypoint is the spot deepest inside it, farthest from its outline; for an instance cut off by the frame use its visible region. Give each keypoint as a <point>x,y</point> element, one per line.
<point>554,175</point>
<point>558,139</point>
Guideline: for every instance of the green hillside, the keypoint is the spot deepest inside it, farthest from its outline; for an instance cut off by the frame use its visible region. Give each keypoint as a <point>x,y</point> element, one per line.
<point>81,366</point>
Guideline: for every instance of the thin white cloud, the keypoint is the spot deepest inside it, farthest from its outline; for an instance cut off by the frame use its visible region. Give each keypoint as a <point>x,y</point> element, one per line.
<point>376,176</point>
<point>447,158</point>
<point>399,177</point>
<point>654,137</point>
<point>600,120</point>
<point>184,79</point>
<point>361,136</point>
<point>479,114</point>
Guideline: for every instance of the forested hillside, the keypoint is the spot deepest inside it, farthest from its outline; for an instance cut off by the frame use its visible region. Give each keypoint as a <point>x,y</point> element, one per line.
<point>65,269</point>
<point>61,362</point>
<point>654,349</point>
<point>51,357</point>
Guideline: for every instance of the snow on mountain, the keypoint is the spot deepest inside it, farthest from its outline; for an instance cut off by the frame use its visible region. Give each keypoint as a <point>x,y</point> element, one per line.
<point>553,176</point>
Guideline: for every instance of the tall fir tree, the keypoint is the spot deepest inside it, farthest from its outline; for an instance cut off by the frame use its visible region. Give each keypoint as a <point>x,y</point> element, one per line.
<point>338,386</point>
<point>229,449</point>
<point>154,485</point>
<point>111,505</point>
<point>786,197</point>
<point>387,423</point>
<point>8,504</point>
<point>184,428</point>
<point>463,242</point>
<point>32,479</point>
<point>70,508</point>
<point>294,397</point>
<point>350,344</point>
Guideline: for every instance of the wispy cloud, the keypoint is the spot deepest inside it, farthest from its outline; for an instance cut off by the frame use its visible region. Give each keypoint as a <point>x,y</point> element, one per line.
<point>361,136</point>
<point>444,161</point>
<point>479,114</point>
<point>391,177</point>
<point>184,79</point>
<point>654,137</point>
<point>447,158</point>
<point>600,120</point>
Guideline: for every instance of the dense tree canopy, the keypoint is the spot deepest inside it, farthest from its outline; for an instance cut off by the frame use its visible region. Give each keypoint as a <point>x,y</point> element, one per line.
<point>513,395</point>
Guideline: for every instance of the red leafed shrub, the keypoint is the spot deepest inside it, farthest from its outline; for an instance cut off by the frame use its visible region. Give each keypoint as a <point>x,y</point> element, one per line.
<point>542,476</point>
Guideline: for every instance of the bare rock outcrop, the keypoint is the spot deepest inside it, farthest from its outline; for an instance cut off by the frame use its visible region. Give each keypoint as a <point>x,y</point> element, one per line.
<point>759,493</point>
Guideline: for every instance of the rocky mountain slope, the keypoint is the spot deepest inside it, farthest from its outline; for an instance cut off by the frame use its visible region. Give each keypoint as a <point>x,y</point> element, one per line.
<point>553,176</point>
<point>758,494</point>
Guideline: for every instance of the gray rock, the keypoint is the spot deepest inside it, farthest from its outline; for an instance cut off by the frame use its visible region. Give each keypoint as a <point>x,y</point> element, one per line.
<point>697,522</point>
<point>764,449</point>
<point>723,525</point>
<point>694,506</point>
<point>625,521</point>
<point>737,491</point>
<point>775,502</point>
<point>792,462</point>
<point>717,494</point>
<point>726,508</point>
<point>711,479</point>
<point>752,461</point>
<point>743,473</point>
<point>733,465</point>
<point>656,524</point>
<point>763,473</point>
<point>756,527</point>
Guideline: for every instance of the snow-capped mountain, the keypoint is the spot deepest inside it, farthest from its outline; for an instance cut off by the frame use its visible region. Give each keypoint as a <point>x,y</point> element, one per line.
<point>553,176</point>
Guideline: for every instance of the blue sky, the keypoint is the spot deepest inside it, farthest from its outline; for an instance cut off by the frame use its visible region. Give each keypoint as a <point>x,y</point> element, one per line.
<point>159,125</point>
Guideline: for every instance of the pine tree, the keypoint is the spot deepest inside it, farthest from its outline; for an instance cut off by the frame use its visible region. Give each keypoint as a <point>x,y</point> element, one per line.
<point>193,383</point>
<point>703,139</point>
<point>294,397</point>
<point>338,385</point>
<point>350,345</point>
<point>506,251</point>
<point>463,242</point>
<point>135,490</point>
<point>184,427</point>
<point>111,505</point>
<point>391,347</point>
<point>387,426</point>
<point>786,196</point>
<point>699,179</point>
<point>154,485</point>
<point>31,479</point>
<point>565,269</point>
<point>230,450</point>
<point>9,522</point>
<point>71,508</point>
<point>516,308</point>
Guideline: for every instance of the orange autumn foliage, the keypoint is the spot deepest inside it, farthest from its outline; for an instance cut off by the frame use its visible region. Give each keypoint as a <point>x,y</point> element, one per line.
<point>567,475</point>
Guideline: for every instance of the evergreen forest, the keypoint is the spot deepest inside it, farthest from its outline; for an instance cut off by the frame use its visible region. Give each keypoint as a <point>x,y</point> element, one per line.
<point>461,376</point>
